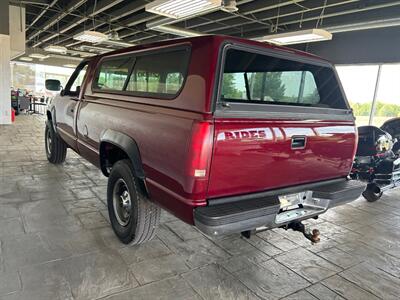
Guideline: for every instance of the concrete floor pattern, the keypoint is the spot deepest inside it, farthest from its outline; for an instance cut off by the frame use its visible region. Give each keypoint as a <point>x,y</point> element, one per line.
<point>56,243</point>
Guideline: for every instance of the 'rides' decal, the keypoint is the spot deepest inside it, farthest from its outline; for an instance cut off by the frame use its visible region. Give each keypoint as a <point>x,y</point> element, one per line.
<point>246,134</point>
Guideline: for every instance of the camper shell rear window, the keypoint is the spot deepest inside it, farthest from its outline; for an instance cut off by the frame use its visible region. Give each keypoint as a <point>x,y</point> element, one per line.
<point>252,77</point>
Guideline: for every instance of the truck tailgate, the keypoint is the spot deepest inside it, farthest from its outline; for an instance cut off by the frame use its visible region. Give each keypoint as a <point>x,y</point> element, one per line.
<point>258,155</point>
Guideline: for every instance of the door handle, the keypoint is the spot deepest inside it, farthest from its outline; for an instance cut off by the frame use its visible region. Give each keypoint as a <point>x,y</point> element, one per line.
<point>85,131</point>
<point>298,142</point>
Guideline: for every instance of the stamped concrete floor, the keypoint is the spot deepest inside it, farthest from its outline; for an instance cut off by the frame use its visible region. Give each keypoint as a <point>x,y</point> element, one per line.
<point>56,243</point>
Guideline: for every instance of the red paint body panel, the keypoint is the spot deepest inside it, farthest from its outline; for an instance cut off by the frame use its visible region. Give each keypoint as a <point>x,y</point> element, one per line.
<point>256,155</point>
<point>258,159</point>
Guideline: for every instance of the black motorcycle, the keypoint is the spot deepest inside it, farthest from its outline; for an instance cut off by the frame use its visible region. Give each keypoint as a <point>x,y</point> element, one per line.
<point>377,160</point>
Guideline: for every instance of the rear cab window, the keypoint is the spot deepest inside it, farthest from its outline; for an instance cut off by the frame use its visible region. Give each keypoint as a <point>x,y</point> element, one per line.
<point>254,79</point>
<point>156,74</point>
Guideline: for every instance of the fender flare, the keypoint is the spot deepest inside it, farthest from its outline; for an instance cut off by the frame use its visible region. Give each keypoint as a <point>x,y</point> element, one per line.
<point>128,145</point>
<point>52,120</point>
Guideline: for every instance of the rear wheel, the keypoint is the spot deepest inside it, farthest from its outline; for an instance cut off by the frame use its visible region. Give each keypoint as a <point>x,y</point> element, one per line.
<point>56,148</point>
<point>134,218</point>
<point>372,193</point>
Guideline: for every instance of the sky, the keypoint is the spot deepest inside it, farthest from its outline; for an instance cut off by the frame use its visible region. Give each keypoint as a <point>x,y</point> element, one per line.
<point>359,83</point>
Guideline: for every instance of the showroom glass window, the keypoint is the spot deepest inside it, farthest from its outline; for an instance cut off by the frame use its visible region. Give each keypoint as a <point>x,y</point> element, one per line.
<point>387,104</point>
<point>359,85</point>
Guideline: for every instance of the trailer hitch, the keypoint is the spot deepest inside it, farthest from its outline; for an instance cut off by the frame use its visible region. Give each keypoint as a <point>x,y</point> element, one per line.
<point>313,236</point>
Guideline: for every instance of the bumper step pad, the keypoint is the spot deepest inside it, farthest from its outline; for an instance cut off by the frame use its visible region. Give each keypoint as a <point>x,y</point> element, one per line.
<point>248,214</point>
<point>339,193</point>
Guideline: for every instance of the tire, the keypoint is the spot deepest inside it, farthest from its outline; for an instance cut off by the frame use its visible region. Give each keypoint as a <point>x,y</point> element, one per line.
<point>134,218</point>
<point>372,193</point>
<point>56,148</point>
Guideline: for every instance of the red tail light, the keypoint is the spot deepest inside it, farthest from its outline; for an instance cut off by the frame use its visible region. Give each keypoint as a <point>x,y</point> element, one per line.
<point>199,158</point>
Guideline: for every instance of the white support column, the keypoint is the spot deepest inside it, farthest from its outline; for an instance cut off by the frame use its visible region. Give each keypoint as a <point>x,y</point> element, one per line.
<point>5,80</point>
<point>373,106</point>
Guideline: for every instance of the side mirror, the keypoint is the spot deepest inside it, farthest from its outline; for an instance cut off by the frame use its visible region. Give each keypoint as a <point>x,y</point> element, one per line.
<point>53,85</point>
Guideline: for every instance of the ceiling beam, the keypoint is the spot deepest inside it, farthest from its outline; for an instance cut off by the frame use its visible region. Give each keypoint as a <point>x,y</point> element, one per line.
<point>246,8</point>
<point>37,18</point>
<point>272,15</point>
<point>310,20</point>
<point>74,4</point>
<point>112,18</point>
<point>37,2</point>
<point>125,33</point>
<point>93,11</point>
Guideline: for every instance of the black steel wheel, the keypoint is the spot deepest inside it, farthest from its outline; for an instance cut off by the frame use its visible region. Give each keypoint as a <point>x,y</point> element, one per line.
<point>134,218</point>
<point>56,148</point>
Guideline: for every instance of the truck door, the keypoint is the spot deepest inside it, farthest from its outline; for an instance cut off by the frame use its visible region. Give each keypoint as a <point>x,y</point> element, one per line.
<point>66,105</point>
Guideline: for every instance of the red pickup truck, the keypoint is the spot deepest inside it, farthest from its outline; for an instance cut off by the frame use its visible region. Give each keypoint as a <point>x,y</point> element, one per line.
<point>228,134</point>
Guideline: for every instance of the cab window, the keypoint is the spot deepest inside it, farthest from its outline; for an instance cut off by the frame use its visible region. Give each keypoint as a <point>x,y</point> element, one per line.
<point>75,82</point>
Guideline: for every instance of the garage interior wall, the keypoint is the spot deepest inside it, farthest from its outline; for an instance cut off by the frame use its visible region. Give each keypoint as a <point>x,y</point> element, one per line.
<point>373,46</point>
<point>5,53</point>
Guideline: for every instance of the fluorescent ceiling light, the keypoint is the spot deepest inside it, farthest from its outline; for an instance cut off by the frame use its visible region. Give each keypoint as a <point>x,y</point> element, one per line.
<point>177,31</point>
<point>95,48</point>
<point>55,49</point>
<point>177,9</point>
<point>85,55</point>
<point>25,58</point>
<point>70,66</point>
<point>80,53</point>
<point>91,36</point>
<point>66,57</point>
<point>38,56</point>
<point>297,37</point>
<point>118,43</point>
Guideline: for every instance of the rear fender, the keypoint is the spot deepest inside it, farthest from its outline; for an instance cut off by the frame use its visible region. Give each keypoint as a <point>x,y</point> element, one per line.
<point>125,143</point>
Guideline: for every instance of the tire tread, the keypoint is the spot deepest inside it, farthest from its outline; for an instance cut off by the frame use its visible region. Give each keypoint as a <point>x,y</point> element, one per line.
<point>148,213</point>
<point>59,151</point>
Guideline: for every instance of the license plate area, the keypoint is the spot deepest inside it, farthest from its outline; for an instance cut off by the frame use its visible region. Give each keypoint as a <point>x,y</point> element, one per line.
<point>292,201</point>
<point>298,206</point>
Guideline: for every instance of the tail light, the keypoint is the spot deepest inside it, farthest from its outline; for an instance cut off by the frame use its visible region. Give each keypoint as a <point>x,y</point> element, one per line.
<point>199,159</point>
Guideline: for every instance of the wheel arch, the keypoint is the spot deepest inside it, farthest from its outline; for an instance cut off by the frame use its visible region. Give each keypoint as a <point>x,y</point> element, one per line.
<point>51,118</point>
<point>126,144</point>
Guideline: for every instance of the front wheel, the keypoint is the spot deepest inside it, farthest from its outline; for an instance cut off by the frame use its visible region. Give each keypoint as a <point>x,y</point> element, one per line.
<point>372,193</point>
<point>56,149</point>
<point>133,217</point>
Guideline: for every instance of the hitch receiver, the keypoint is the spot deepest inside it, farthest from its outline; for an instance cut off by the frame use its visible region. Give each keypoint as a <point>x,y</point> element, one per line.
<point>313,236</point>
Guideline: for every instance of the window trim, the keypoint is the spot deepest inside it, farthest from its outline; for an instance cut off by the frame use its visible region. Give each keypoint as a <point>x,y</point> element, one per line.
<point>135,55</point>
<point>74,76</point>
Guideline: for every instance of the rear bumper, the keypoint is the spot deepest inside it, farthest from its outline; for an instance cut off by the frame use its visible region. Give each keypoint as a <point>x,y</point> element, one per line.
<point>237,214</point>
